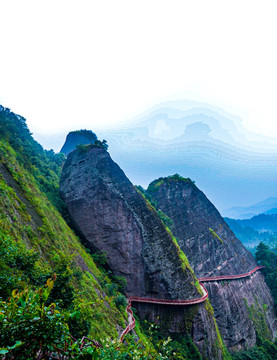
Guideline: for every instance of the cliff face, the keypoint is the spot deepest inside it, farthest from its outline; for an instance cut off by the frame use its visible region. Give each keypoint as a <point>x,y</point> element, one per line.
<point>213,250</point>
<point>75,138</point>
<point>117,220</point>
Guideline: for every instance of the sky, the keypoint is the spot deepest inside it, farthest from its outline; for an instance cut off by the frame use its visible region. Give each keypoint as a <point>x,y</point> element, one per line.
<point>67,65</point>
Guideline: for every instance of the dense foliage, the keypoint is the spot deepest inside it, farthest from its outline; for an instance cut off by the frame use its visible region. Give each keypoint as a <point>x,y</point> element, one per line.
<point>31,329</point>
<point>264,350</point>
<point>267,257</point>
<point>44,165</point>
<point>35,241</point>
<point>27,322</point>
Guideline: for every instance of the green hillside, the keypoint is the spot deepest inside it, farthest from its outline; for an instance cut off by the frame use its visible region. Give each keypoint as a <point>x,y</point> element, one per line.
<point>38,247</point>
<point>35,239</point>
<point>51,286</point>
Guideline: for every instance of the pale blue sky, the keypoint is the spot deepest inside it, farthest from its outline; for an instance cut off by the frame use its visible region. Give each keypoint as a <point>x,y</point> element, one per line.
<point>89,64</point>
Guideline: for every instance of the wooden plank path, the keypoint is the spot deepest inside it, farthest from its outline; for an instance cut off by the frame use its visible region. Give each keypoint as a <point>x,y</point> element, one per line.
<point>132,321</point>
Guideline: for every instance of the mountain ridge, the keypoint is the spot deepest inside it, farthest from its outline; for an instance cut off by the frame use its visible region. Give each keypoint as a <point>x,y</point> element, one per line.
<point>246,212</point>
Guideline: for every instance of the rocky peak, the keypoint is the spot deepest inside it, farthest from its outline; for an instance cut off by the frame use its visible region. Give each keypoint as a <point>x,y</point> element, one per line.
<point>116,219</point>
<point>78,137</point>
<point>202,233</point>
<point>212,249</point>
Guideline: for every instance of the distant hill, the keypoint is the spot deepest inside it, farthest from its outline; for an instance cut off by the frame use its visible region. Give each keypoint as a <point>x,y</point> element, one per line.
<point>250,237</point>
<point>261,223</point>
<point>268,206</point>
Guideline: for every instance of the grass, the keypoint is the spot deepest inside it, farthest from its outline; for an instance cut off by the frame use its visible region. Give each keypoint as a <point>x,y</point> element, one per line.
<point>214,234</point>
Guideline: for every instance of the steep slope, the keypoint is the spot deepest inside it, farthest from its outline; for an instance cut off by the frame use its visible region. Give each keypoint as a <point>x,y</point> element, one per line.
<point>75,138</point>
<point>213,250</point>
<point>117,220</point>
<point>35,241</point>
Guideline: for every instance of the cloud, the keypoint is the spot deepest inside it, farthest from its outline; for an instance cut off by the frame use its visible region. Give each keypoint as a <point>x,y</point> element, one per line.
<point>91,64</point>
<point>161,128</point>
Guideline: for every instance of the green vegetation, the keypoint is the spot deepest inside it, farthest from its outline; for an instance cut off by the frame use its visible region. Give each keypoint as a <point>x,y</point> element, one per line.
<point>81,297</point>
<point>175,347</point>
<point>30,327</point>
<point>27,322</point>
<point>152,205</point>
<point>165,219</point>
<point>154,185</point>
<point>258,315</point>
<point>184,261</point>
<point>35,241</point>
<point>44,166</point>
<point>36,245</point>
<point>97,144</point>
<point>264,350</point>
<point>214,234</point>
<point>268,257</point>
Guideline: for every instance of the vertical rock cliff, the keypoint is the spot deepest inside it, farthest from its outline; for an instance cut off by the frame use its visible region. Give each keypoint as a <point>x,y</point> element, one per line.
<point>244,307</point>
<point>116,219</point>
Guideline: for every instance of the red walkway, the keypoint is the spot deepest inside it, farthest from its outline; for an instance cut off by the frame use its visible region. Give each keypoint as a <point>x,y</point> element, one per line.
<point>230,277</point>
<point>131,318</point>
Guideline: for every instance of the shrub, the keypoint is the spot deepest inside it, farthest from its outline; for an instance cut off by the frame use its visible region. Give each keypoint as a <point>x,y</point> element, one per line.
<point>120,301</point>
<point>28,325</point>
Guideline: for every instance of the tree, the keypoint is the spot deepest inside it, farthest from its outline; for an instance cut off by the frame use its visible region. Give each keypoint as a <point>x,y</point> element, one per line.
<point>262,253</point>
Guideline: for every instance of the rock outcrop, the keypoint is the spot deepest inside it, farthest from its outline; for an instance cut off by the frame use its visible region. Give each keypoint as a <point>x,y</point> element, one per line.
<point>212,250</point>
<point>117,220</point>
<point>75,138</point>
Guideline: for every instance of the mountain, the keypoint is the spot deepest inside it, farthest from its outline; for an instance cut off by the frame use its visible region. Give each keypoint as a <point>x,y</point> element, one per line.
<point>39,252</point>
<point>268,206</point>
<point>78,137</point>
<point>117,220</point>
<point>213,250</point>
<point>259,228</point>
<point>56,286</point>
<point>250,237</point>
<point>261,223</point>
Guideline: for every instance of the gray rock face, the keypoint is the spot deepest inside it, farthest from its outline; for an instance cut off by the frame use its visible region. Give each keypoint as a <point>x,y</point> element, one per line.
<point>75,138</point>
<point>117,220</point>
<point>213,250</point>
<point>232,302</point>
